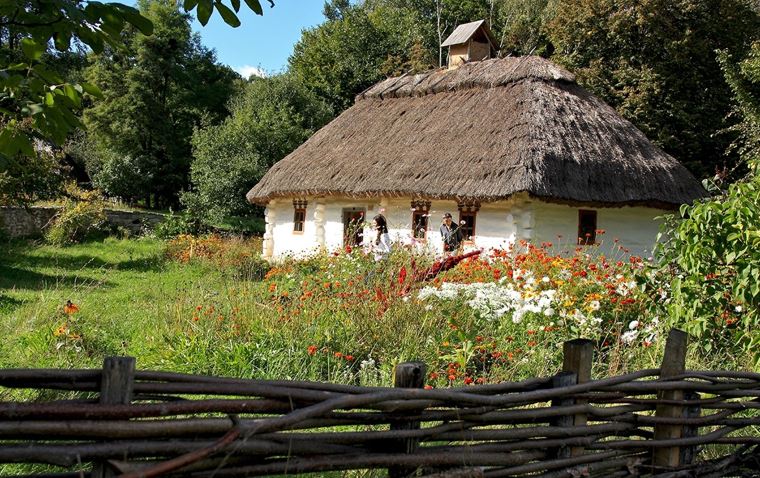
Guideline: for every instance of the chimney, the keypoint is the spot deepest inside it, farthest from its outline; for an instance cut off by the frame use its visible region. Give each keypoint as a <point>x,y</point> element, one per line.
<point>470,42</point>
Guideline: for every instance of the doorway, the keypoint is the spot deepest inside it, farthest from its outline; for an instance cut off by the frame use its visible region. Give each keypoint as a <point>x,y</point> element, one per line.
<point>353,226</point>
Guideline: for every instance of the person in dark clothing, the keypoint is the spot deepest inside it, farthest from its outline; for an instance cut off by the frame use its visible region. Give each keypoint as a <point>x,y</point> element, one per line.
<point>450,233</point>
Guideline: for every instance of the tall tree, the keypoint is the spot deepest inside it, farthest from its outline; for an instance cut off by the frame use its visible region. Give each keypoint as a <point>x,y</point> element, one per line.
<point>270,118</point>
<point>42,102</point>
<point>655,62</point>
<point>155,93</point>
<point>348,52</point>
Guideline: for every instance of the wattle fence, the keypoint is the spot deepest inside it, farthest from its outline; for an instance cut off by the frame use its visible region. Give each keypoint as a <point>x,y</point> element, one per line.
<point>665,422</point>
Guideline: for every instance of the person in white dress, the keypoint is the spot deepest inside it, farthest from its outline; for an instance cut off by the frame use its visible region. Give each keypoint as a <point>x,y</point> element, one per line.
<point>381,243</point>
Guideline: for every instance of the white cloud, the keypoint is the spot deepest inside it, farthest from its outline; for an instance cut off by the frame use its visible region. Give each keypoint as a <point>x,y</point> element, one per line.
<point>246,71</point>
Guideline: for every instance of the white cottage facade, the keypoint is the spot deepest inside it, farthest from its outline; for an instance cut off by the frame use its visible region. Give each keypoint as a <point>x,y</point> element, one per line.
<point>312,224</point>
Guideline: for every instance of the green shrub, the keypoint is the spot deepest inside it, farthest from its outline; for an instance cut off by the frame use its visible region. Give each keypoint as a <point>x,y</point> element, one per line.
<point>81,218</point>
<point>177,224</point>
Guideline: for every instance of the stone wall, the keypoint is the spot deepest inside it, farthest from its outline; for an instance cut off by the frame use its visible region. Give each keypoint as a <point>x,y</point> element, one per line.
<point>19,222</point>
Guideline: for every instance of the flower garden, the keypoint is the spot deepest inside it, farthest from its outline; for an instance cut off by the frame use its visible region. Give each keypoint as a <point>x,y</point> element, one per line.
<point>211,305</point>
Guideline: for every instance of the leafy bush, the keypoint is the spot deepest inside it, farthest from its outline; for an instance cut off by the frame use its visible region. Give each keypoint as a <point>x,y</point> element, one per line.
<point>81,218</point>
<point>177,224</point>
<point>709,273</point>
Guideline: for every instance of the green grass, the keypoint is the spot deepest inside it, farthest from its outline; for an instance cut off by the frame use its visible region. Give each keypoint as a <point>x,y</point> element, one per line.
<point>125,289</point>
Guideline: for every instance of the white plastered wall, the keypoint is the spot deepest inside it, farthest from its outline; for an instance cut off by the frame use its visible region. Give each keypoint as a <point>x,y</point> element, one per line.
<point>498,225</point>
<point>634,228</point>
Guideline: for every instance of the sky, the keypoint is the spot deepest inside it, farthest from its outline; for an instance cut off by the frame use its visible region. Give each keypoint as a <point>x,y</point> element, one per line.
<point>262,44</point>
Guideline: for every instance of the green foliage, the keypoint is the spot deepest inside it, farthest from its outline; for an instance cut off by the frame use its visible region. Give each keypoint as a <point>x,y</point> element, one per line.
<point>155,92</point>
<point>655,62</point>
<point>32,93</point>
<point>342,56</point>
<point>177,224</point>
<point>205,8</point>
<point>25,179</point>
<point>270,117</point>
<point>39,98</point>
<point>81,218</point>
<point>711,256</point>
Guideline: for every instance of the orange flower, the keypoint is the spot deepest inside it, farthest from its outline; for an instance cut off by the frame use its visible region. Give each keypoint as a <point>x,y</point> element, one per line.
<point>70,308</point>
<point>311,349</point>
<point>348,357</point>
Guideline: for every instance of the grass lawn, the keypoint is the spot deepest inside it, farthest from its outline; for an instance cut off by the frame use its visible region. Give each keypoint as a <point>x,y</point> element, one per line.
<point>125,290</point>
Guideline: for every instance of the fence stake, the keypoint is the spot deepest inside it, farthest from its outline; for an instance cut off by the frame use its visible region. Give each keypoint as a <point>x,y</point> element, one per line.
<point>116,385</point>
<point>578,356</point>
<point>673,363</point>
<point>688,453</point>
<point>563,379</point>
<point>406,375</point>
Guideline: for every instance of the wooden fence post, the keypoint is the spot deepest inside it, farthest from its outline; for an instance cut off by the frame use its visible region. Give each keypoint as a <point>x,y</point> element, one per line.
<point>116,386</point>
<point>563,379</point>
<point>688,453</point>
<point>673,364</point>
<point>578,356</point>
<point>406,375</point>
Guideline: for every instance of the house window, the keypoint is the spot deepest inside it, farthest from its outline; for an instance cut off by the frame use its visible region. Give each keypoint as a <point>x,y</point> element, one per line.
<point>420,218</point>
<point>299,215</point>
<point>586,227</point>
<point>467,213</point>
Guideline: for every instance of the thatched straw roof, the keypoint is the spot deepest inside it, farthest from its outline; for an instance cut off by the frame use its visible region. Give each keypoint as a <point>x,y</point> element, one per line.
<point>485,131</point>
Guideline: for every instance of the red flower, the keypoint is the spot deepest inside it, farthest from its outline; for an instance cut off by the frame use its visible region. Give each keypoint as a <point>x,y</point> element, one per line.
<point>468,380</point>
<point>428,387</point>
<point>402,275</point>
<point>348,357</point>
<point>338,355</point>
<point>311,349</point>
<point>70,308</point>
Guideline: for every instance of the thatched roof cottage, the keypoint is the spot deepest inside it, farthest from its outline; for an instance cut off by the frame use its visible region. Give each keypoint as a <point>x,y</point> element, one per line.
<point>512,147</point>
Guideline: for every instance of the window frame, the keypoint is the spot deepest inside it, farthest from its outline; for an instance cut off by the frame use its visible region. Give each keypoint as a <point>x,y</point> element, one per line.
<point>586,236</point>
<point>468,209</point>
<point>420,209</point>
<point>299,209</point>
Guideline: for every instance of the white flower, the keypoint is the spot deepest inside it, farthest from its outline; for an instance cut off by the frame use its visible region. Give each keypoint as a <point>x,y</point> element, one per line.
<point>738,308</point>
<point>549,312</point>
<point>545,280</point>
<point>629,336</point>
<point>369,363</point>
<point>633,325</point>
<point>594,305</point>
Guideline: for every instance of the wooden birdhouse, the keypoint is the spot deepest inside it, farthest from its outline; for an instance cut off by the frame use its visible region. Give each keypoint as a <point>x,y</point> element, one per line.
<point>470,42</point>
